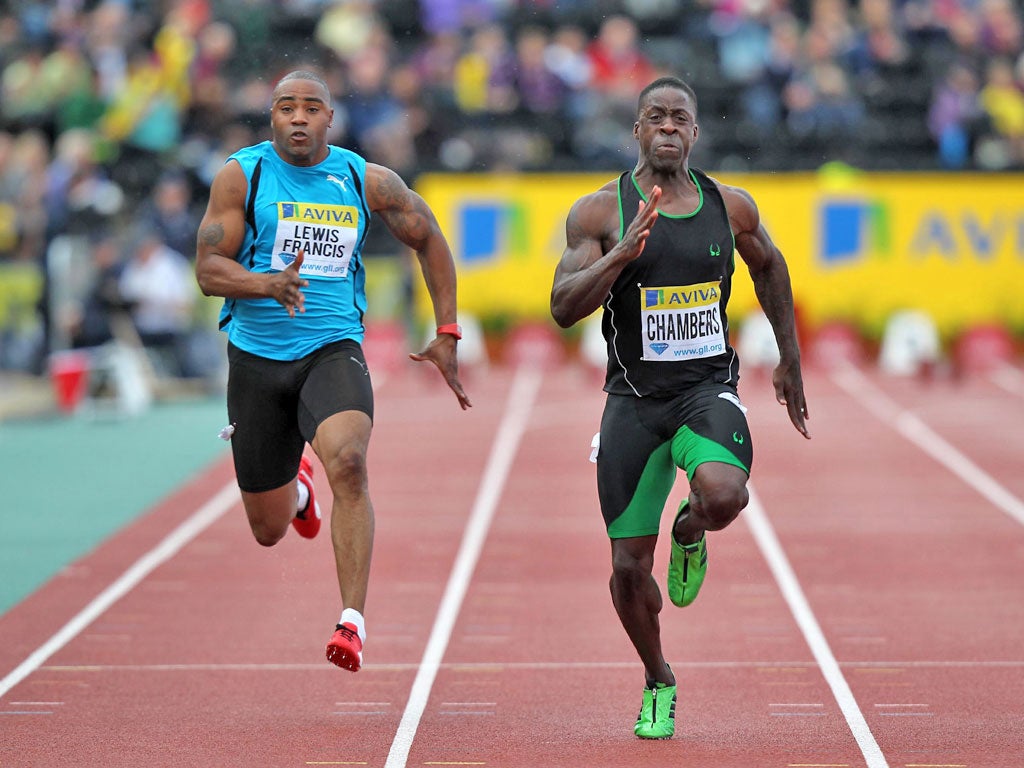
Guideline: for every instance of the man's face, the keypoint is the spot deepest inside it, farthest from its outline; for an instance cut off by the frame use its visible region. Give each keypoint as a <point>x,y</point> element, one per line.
<point>299,117</point>
<point>666,128</point>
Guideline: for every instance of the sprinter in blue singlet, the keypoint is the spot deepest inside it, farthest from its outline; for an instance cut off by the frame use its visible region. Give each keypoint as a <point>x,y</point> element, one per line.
<point>281,241</point>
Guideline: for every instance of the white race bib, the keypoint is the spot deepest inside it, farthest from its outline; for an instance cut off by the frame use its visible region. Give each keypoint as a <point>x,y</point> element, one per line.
<point>681,322</point>
<point>327,234</point>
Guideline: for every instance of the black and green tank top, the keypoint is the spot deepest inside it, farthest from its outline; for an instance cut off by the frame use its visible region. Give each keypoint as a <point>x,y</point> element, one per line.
<point>665,316</point>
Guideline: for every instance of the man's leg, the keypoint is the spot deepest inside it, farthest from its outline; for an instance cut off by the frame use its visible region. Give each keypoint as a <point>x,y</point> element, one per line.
<point>714,448</point>
<point>341,443</point>
<point>717,494</point>
<point>637,601</point>
<point>635,474</point>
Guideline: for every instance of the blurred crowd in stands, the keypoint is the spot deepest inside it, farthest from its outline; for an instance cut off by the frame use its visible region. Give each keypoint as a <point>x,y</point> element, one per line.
<point>115,114</point>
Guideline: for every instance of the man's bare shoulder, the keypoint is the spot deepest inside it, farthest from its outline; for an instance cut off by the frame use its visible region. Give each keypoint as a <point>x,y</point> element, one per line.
<point>732,195</point>
<point>230,184</point>
<point>606,196</point>
<point>740,205</point>
<point>385,189</point>
<point>596,211</point>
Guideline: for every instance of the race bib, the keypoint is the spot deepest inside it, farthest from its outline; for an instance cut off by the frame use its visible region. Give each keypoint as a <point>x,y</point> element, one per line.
<point>681,322</point>
<point>327,234</point>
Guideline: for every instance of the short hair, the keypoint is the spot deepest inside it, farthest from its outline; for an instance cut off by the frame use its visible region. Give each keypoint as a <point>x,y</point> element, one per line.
<point>304,74</point>
<point>666,82</point>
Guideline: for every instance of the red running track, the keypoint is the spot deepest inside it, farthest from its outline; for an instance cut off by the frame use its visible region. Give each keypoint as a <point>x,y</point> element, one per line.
<point>866,610</point>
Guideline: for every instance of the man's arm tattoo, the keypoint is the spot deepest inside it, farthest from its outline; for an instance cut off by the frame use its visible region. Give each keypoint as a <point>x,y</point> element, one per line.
<point>405,213</point>
<point>212,234</point>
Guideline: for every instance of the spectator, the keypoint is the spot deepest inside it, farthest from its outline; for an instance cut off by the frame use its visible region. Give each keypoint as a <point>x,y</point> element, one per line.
<point>567,57</point>
<point>107,41</point>
<point>170,214</point>
<point>962,43</point>
<point>145,116</point>
<point>434,61</point>
<point>23,197</point>
<point>66,80</point>
<point>443,16</point>
<point>485,74</point>
<point>90,324</point>
<point>743,37</point>
<point>419,116</point>
<point>955,116</point>
<point>349,28</point>
<point>159,285</point>
<point>80,195</point>
<point>762,99</point>
<point>20,104</point>
<point>377,124</point>
<point>1002,100</point>
<point>8,198</point>
<point>619,69</point>
<point>540,90</point>
<point>878,47</point>
<point>820,101</point>
<point>831,18</point>
<point>210,104</point>
<point>1002,31</point>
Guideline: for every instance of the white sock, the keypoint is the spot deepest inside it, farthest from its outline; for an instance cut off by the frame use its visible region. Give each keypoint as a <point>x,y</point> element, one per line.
<point>303,499</point>
<point>352,616</point>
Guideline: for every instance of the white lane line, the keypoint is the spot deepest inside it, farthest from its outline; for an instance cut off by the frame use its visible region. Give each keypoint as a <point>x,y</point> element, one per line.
<point>777,561</point>
<point>161,553</point>
<point>520,401</point>
<point>864,391</point>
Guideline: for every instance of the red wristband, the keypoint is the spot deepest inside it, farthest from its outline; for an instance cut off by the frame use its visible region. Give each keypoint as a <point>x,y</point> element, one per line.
<point>452,329</point>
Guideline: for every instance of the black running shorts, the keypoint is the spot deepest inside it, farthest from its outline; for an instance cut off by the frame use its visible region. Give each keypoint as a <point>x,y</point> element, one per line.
<point>644,439</point>
<point>276,407</point>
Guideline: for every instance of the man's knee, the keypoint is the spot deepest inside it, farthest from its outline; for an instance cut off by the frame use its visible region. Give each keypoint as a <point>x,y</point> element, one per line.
<point>266,535</point>
<point>268,513</point>
<point>347,469</point>
<point>720,504</point>
<point>629,570</point>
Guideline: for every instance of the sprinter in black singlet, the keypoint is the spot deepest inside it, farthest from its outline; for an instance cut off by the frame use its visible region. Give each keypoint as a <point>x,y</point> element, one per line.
<point>655,248</point>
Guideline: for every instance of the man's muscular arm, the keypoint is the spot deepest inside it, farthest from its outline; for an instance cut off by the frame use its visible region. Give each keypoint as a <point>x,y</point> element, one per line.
<point>585,274</point>
<point>220,236</point>
<point>411,221</point>
<point>774,291</point>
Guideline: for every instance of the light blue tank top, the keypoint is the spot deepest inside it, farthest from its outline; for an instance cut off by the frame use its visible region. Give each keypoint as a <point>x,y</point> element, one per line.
<point>323,210</point>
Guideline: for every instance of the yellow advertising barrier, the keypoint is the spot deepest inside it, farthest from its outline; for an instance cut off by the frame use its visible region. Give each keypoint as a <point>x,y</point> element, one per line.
<point>859,246</point>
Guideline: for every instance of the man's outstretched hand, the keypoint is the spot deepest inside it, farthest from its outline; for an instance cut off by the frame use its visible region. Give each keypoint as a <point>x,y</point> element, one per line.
<point>441,352</point>
<point>789,391</point>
